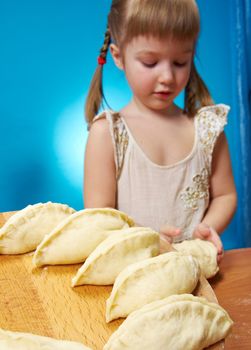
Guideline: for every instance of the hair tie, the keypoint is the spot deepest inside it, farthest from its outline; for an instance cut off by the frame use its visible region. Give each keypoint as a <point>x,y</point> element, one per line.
<point>101,60</point>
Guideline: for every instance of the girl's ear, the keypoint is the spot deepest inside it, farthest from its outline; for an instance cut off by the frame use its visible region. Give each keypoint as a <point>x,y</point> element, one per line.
<point>117,56</point>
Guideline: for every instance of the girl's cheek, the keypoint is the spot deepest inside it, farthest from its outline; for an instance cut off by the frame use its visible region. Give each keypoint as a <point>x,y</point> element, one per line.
<point>143,70</point>
<point>185,77</point>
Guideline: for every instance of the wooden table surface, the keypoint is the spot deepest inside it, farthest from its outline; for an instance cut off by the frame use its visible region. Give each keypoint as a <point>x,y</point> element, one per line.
<point>232,286</point>
<point>78,313</point>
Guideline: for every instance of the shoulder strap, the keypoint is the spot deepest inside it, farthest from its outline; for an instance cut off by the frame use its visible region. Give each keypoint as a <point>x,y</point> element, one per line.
<point>119,137</point>
<point>210,124</point>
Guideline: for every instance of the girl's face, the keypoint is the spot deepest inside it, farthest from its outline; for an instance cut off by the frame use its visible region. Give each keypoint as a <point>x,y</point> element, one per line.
<point>157,70</point>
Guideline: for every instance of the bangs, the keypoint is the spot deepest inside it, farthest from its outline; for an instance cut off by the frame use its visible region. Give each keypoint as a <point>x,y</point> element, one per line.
<point>178,19</point>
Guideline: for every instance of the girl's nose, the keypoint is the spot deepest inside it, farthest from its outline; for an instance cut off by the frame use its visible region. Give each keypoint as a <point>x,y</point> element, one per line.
<point>166,75</point>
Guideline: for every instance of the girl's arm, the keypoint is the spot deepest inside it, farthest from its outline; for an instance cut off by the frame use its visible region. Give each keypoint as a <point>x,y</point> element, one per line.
<point>99,168</point>
<point>223,198</point>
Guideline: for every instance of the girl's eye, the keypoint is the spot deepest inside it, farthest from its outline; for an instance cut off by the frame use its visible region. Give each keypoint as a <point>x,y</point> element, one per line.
<point>149,64</point>
<point>180,64</point>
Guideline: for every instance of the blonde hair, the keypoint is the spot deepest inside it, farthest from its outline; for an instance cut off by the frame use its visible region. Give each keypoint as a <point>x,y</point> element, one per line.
<point>127,19</point>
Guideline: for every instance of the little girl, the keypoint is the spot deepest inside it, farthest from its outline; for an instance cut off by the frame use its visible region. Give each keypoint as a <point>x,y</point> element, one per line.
<point>168,168</point>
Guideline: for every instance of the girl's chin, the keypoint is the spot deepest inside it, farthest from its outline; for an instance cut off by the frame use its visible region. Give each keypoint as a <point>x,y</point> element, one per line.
<point>156,105</point>
<point>161,106</point>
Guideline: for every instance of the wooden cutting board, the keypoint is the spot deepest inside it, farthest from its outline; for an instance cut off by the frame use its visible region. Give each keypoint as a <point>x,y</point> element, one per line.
<point>41,301</point>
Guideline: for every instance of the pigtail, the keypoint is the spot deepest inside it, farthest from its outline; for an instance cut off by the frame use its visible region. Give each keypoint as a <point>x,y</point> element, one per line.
<point>197,94</point>
<point>95,94</point>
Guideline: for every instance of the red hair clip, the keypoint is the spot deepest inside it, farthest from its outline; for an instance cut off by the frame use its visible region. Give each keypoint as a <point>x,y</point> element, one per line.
<point>101,60</point>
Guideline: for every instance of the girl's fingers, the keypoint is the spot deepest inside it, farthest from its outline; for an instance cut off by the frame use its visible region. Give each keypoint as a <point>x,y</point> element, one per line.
<point>166,238</point>
<point>167,233</point>
<point>170,230</point>
<point>201,233</point>
<point>215,239</point>
<point>204,230</point>
<point>220,256</point>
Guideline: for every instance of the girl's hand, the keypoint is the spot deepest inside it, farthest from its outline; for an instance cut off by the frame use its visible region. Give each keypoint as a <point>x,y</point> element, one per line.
<point>167,233</point>
<point>203,231</point>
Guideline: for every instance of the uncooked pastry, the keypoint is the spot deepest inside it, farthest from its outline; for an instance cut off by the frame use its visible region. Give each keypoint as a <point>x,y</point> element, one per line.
<point>27,341</point>
<point>115,253</point>
<point>175,323</point>
<point>25,230</point>
<point>75,238</point>
<point>205,252</point>
<point>150,280</point>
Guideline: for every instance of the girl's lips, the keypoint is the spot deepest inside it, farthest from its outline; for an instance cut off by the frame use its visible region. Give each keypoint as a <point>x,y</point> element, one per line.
<point>162,94</point>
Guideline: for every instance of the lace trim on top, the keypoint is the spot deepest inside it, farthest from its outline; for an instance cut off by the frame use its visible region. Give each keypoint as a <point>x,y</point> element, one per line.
<point>211,121</point>
<point>119,136</point>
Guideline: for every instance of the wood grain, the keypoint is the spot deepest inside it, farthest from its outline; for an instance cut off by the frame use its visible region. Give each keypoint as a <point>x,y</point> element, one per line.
<point>233,288</point>
<point>41,301</point>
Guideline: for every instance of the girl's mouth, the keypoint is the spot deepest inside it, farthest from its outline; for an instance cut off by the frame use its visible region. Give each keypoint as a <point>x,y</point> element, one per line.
<point>162,94</point>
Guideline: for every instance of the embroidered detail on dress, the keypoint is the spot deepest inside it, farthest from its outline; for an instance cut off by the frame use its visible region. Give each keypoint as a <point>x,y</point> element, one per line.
<point>211,121</point>
<point>120,140</point>
<point>199,190</point>
<point>119,137</point>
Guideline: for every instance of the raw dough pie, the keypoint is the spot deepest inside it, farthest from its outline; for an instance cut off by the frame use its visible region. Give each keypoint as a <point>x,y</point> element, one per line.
<point>27,341</point>
<point>205,252</point>
<point>175,323</point>
<point>151,279</point>
<point>115,253</point>
<point>25,230</point>
<point>75,238</point>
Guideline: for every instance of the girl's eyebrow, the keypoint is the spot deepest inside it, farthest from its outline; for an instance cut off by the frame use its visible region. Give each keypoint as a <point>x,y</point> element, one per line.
<point>150,52</point>
<point>144,51</point>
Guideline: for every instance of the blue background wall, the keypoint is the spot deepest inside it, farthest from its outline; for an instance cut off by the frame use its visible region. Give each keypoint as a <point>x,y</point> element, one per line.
<point>48,54</point>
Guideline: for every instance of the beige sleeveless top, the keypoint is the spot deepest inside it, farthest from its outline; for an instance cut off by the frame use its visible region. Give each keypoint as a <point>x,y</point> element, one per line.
<point>177,194</point>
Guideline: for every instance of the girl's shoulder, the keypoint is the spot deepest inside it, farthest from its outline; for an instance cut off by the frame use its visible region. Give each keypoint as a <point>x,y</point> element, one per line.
<point>113,124</point>
<point>111,120</point>
<point>109,115</point>
<point>217,111</point>
<point>210,122</point>
<point>213,117</point>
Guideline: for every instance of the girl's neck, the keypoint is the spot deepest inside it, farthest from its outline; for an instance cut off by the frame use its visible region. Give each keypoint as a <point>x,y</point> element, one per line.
<point>137,108</point>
